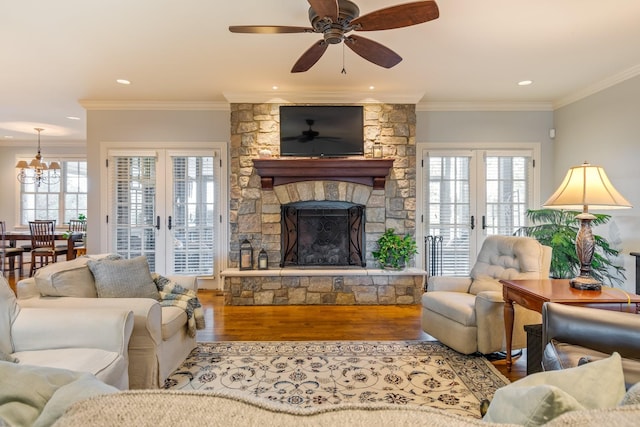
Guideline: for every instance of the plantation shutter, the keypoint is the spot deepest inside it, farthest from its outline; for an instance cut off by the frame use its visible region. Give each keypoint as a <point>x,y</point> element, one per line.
<point>448,207</point>
<point>508,191</point>
<point>133,204</point>
<point>193,213</point>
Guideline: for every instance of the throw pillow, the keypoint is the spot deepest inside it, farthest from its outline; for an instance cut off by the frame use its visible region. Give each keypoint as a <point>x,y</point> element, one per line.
<point>632,397</point>
<point>66,279</point>
<point>538,398</point>
<point>125,278</point>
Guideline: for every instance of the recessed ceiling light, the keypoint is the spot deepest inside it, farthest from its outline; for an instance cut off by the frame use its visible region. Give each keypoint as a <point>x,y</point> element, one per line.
<point>73,118</point>
<point>525,82</point>
<point>274,87</point>
<point>123,81</point>
<point>372,87</point>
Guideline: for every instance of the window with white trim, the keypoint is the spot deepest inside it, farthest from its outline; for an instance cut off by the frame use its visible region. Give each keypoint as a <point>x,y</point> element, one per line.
<point>62,200</point>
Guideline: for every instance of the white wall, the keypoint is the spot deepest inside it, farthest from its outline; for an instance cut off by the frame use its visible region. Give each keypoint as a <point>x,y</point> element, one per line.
<point>604,129</point>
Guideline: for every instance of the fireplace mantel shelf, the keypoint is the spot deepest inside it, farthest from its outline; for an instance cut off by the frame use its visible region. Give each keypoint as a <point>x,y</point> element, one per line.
<point>371,172</point>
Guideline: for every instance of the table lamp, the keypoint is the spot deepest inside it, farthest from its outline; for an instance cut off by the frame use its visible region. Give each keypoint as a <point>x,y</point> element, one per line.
<point>586,186</point>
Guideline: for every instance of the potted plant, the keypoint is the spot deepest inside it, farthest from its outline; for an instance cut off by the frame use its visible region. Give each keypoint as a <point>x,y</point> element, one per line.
<point>558,229</point>
<point>394,250</point>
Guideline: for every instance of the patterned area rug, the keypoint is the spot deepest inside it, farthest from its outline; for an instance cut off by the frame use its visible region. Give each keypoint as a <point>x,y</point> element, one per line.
<point>317,374</point>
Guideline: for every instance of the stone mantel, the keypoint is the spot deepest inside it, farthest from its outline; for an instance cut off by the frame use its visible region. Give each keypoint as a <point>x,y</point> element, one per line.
<point>372,172</point>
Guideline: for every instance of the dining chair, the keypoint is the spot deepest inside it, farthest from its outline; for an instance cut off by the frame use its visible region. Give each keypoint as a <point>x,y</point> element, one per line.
<point>79,229</point>
<point>43,244</point>
<point>8,253</point>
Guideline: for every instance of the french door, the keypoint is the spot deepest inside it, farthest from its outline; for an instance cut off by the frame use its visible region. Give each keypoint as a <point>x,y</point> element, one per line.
<point>468,195</point>
<point>165,205</point>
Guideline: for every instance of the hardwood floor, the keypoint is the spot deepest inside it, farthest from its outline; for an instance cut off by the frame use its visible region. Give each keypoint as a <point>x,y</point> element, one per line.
<point>317,323</point>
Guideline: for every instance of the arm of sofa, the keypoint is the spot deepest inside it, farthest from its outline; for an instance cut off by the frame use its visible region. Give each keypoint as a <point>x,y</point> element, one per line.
<point>41,329</point>
<point>147,313</point>
<point>449,284</point>
<point>26,288</point>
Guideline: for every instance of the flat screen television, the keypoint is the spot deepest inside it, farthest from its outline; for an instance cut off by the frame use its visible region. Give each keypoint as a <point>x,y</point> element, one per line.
<point>321,130</point>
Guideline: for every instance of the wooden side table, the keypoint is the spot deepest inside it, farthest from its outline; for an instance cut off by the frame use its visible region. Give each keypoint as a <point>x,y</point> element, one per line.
<point>532,294</point>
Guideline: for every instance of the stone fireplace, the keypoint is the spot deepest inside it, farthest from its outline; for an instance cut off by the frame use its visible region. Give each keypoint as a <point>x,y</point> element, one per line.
<point>258,200</point>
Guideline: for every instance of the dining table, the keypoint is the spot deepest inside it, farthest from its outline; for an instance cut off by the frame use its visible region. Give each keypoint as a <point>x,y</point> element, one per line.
<point>25,235</point>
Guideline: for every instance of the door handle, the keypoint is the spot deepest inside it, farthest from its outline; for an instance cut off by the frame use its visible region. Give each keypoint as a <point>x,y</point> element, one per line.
<point>169,224</point>
<point>158,222</point>
<point>473,222</point>
<point>484,222</point>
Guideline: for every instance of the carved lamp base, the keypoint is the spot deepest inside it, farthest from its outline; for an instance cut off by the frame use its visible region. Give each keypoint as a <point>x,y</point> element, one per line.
<point>586,283</point>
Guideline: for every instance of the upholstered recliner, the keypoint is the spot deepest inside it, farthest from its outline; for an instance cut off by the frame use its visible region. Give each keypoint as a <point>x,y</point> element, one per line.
<point>160,341</point>
<point>467,313</point>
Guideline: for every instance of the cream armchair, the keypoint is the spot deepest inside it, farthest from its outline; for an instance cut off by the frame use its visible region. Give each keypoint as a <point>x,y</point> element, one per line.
<point>467,313</point>
<point>81,340</point>
<point>160,341</point>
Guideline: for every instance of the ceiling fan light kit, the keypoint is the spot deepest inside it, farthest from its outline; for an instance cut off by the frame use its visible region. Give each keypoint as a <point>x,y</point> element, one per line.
<point>334,19</point>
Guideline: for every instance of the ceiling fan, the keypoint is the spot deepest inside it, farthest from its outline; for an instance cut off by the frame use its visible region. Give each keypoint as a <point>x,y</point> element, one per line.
<point>334,19</point>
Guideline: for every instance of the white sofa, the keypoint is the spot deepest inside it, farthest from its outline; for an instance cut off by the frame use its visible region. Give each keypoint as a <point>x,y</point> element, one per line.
<point>467,313</point>
<point>160,341</point>
<point>90,341</point>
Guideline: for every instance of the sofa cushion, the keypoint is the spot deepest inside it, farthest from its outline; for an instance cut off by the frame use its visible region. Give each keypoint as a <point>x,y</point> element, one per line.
<point>125,278</point>
<point>66,279</point>
<point>9,310</point>
<point>538,398</point>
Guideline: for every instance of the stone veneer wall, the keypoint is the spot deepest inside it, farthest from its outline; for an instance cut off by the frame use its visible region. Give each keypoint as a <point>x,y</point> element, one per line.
<point>255,213</point>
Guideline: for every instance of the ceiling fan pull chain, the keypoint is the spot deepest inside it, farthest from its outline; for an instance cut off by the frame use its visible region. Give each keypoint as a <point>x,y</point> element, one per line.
<point>344,70</point>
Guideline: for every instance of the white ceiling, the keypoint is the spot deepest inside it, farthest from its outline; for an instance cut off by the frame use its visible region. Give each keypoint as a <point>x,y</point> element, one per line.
<point>55,53</point>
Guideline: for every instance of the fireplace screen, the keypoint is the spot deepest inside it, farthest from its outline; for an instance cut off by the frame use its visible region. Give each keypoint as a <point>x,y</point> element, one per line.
<point>322,233</point>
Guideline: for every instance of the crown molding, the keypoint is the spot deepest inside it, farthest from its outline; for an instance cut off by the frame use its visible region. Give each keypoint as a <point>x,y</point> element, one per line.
<point>351,97</point>
<point>598,87</point>
<point>30,144</point>
<point>484,106</point>
<point>89,104</point>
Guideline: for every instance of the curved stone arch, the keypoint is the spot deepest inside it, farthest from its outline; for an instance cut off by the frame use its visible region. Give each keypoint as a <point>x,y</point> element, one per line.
<point>323,190</point>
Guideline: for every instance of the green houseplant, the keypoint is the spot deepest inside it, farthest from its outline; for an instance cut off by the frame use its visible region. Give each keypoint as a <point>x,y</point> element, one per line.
<point>394,250</point>
<point>558,229</point>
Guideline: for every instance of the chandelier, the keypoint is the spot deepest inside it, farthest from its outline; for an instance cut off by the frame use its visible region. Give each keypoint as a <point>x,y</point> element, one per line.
<point>41,172</point>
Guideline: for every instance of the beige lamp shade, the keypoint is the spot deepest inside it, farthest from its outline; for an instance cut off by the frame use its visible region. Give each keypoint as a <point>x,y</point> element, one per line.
<point>22,164</point>
<point>586,186</point>
<point>54,166</point>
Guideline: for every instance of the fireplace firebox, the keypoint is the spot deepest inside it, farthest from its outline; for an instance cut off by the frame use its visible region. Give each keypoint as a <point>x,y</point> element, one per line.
<point>322,234</point>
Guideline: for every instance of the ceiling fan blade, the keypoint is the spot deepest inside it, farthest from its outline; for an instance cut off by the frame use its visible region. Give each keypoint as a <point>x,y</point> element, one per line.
<point>373,51</point>
<point>268,29</point>
<point>310,57</point>
<point>328,8</point>
<point>402,15</point>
